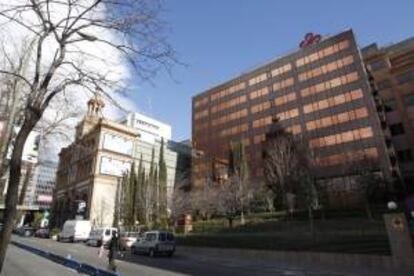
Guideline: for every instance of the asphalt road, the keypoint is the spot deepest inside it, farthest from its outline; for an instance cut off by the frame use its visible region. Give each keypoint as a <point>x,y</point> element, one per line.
<point>186,263</point>
<point>20,262</point>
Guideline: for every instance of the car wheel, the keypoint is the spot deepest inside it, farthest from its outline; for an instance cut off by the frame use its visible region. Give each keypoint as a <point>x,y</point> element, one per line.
<point>151,253</point>
<point>133,252</point>
<point>71,239</point>
<point>169,254</point>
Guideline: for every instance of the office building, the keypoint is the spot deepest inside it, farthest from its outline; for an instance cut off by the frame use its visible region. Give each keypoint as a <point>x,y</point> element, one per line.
<point>319,92</point>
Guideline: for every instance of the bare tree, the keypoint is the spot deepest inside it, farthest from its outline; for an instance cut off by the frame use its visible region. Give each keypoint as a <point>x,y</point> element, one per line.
<point>289,171</point>
<point>203,200</point>
<point>371,184</point>
<point>280,166</point>
<point>59,30</point>
<point>239,171</point>
<point>228,199</point>
<point>180,201</point>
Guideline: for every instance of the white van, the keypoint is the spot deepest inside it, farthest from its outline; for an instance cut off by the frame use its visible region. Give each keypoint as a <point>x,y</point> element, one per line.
<point>75,230</point>
<point>100,236</point>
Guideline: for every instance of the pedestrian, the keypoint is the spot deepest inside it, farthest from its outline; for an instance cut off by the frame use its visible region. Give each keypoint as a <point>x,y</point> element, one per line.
<point>101,251</point>
<point>113,244</point>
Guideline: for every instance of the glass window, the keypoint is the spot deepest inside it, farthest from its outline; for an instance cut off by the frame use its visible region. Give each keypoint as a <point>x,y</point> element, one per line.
<point>409,100</point>
<point>361,112</point>
<point>397,129</point>
<point>347,136</point>
<point>384,84</point>
<point>390,105</point>
<point>356,94</point>
<point>307,108</point>
<point>378,65</point>
<point>366,132</point>
<point>405,155</point>
<point>405,77</point>
<point>162,237</point>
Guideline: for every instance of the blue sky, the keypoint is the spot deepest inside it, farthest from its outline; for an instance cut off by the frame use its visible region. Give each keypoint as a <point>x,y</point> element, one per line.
<point>219,39</point>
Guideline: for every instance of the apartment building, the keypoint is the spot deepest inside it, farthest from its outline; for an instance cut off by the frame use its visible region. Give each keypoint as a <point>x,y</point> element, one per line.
<point>392,68</point>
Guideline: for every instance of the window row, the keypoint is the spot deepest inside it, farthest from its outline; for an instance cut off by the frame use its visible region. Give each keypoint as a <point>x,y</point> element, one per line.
<point>340,138</point>
<point>378,65</point>
<point>200,102</point>
<point>228,91</point>
<point>323,86</point>
<point>285,98</point>
<point>259,93</point>
<point>200,126</point>
<point>384,84</point>
<point>323,53</point>
<point>229,117</point>
<point>338,118</point>
<point>330,67</point>
<point>262,122</point>
<point>258,79</point>
<point>333,101</point>
<point>283,84</point>
<point>289,114</point>
<point>201,114</point>
<point>409,100</point>
<point>257,139</point>
<point>405,77</point>
<point>348,157</point>
<point>260,107</point>
<point>295,129</point>
<point>281,70</point>
<point>234,130</point>
<point>228,104</point>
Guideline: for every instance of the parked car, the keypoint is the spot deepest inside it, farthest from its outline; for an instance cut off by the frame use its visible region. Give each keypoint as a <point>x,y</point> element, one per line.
<point>25,231</point>
<point>100,236</point>
<point>127,239</point>
<point>75,230</point>
<point>154,243</point>
<point>42,233</point>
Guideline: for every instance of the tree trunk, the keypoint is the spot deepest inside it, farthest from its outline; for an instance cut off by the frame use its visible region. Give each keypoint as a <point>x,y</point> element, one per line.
<point>242,219</point>
<point>230,222</point>
<point>25,183</point>
<point>311,222</point>
<point>32,117</point>
<point>368,211</point>
<point>7,137</point>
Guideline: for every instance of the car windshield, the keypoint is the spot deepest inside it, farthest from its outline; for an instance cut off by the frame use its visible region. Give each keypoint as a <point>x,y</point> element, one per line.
<point>170,237</point>
<point>165,237</point>
<point>97,232</point>
<point>150,237</point>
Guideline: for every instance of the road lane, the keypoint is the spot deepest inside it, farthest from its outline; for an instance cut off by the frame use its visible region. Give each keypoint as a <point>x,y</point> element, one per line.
<point>20,262</point>
<point>188,261</point>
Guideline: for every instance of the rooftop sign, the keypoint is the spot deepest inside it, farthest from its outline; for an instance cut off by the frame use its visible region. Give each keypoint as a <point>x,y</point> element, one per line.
<point>310,39</point>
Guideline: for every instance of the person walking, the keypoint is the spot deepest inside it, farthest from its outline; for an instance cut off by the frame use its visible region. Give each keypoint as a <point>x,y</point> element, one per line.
<point>113,245</point>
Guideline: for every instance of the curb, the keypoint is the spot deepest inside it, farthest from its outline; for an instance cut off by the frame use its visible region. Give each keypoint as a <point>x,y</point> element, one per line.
<point>84,268</point>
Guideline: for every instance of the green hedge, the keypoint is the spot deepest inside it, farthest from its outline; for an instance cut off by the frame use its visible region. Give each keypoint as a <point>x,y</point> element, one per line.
<point>341,244</point>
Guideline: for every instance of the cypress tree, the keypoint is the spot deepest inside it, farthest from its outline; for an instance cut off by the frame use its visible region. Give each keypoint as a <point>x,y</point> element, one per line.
<point>139,206</point>
<point>154,196</point>
<point>162,185</point>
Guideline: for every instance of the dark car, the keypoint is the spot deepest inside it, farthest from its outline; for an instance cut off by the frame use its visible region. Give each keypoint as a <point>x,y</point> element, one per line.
<point>42,233</point>
<point>25,231</point>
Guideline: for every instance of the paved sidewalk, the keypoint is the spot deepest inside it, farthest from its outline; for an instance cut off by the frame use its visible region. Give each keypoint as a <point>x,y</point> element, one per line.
<point>20,262</point>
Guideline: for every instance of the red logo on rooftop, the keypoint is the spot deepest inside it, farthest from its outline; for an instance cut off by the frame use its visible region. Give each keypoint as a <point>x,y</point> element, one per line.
<point>310,39</point>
